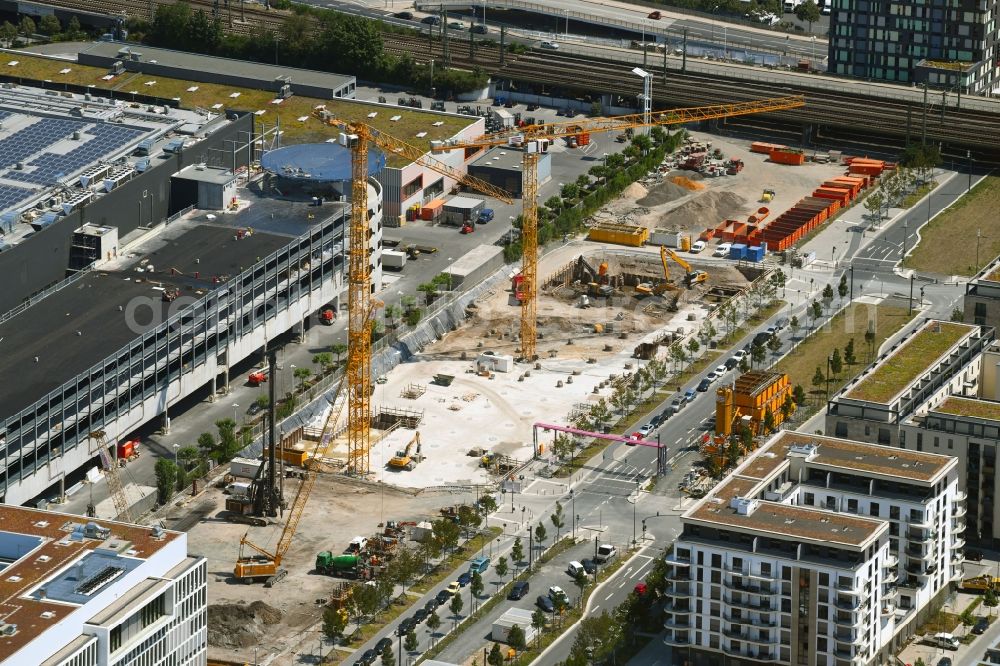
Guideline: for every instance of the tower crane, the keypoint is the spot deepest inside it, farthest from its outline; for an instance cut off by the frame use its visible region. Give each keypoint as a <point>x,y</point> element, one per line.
<point>111,472</point>
<point>357,136</point>
<point>534,139</point>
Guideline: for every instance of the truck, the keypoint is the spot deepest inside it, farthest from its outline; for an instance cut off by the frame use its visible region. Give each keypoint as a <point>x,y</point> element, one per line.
<point>344,566</point>
<point>238,489</point>
<point>393,259</point>
<point>485,215</point>
<point>244,468</point>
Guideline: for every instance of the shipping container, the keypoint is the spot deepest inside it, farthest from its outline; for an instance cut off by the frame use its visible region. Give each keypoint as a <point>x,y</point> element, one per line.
<point>738,251</point>
<point>393,259</point>
<point>791,157</point>
<point>765,148</point>
<point>244,468</point>
<point>620,234</point>
<point>666,237</point>
<point>432,210</point>
<point>755,253</point>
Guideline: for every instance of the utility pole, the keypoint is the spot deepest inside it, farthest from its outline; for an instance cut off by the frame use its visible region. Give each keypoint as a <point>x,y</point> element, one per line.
<point>503,38</point>
<point>852,283</point>
<point>923,139</point>
<point>444,32</point>
<point>903,254</point>
<point>968,160</point>
<point>684,52</point>
<point>911,294</point>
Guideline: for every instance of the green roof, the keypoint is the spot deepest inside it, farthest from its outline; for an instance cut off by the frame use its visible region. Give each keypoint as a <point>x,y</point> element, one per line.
<point>980,409</point>
<point>903,366</point>
<point>410,123</point>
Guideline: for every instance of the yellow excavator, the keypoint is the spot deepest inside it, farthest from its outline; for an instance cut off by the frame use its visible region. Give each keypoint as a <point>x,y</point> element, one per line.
<point>645,289</point>
<point>408,458</point>
<point>980,584</point>
<point>691,277</point>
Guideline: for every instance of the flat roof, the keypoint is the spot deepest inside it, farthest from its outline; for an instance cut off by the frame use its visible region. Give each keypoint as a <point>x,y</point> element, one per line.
<point>58,551</point>
<point>888,461</point>
<point>80,325</point>
<point>203,174</point>
<point>501,158</point>
<point>463,202</point>
<point>980,409</point>
<point>473,259</point>
<point>902,366</point>
<point>792,522</point>
<point>171,58</point>
<point>418,127</point>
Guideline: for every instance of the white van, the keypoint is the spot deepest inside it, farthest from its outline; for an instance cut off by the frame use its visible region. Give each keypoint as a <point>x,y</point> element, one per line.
<point>575,569</point>
<point>698,246</point>
<point>944,640</point>
<point>238,489</point>
<point>605,553</point>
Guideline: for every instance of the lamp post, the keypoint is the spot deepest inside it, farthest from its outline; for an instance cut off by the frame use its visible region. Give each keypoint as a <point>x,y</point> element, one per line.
<point>176,447</point>
<point>572,499</point>
<point>829,359</point>
<point>979,235</point>
<point>633,509</point>
<point>235,407</point>
<point>968,159</point>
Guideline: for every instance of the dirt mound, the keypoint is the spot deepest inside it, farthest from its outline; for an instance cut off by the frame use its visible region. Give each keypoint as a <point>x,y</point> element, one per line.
<point>239,625</point>
<point>634,191</point>
<point>663,193</point>
<point>687,183</point>
<point>705,211</point>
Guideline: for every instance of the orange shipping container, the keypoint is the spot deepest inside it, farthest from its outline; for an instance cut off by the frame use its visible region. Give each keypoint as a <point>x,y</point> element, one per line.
<point>765,148</point>
<point>432,210</point>
<point>792,157</point>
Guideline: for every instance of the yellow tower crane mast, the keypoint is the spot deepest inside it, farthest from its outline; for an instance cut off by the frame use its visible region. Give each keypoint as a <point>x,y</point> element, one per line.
<point>357,136</point>
<point>534,140</point>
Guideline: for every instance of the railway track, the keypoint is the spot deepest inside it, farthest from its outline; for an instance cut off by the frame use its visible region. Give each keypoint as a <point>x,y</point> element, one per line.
<point>573,75</point>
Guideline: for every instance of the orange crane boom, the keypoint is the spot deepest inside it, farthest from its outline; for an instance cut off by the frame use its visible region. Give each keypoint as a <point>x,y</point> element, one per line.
<point>535,138</point>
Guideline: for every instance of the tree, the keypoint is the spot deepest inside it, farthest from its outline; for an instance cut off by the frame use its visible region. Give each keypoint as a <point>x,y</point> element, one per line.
<point>487,504</point>
<point>744,365</point>
<point>516,639</point>
<point>468,517</point>
<point>540,534</point>
<point>27,27</point>
<point>957,314</point>
<point>569,191</point>
<point>828,293</point>
<point>446,533</point>
<point>334,623</point>
<point>166,479</point>
<point>774,344</point>
<point>324,360</point>
<point>538,623</point>
<point>501,567</point>
<point>990,599</point>
<point>799,394</point>
<point>517,551</point>
<point>693,346</point>
<point>580,580</point>
<point>582,181</point>
<point>49,25</point>
<point>388,656</point>
<point>870,340</point>
<point>729,317</point>
<point>476,584</point>
<point>433,623</point>
<point>365,599</point>
<point>807,12</point>
<point>73,29</point>
<point>778,280</point>
<point>558,520</point>
<point>187,455</point>
<point>410,642</point>
<point>495,657</point>
<point>768,421</point>
<point>338,350</point>
<point>7,33</point>
<point>817,311</point>
<point>849,357</point>
<point>842,288</point>
<point>967,617</point>
<point>836,363</point>
<point>757,353</point>
<point>794,325</point>
<point>206,444</point>
<point>553,203</point>
<point>302,374</point>
<point>456,605</point>
<point>707,332</point>
<point>228,444</point>
<point>818,379</point>
<point>873,204</point>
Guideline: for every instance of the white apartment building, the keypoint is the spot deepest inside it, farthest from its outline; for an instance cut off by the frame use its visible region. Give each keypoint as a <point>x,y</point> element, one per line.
<point>816,551</point>
<point>75,592</point>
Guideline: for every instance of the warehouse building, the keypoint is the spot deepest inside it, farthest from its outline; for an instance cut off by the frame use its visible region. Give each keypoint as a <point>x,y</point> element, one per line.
<point>84,592</point>
<point>502,167</point>
<point>814,550</point>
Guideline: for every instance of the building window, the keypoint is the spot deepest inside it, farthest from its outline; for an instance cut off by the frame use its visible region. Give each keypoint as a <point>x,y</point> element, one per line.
<point>873,509</point>
<point>810,499</point>
<point>852,506</point>
<point>883,436</point>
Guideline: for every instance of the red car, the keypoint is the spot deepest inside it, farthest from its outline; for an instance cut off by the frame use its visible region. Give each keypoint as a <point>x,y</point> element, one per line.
<point>640,589</point>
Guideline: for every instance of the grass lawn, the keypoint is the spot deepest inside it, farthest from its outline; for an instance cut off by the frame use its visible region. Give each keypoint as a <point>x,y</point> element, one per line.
<point>410,123</point>
<point>948,244</point>
<point>916,195</point>
<point>812,352</point>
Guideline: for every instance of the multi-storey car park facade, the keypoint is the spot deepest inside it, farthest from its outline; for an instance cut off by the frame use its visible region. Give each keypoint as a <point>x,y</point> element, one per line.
<point>947,44</point>
<point>79,592</point>
<point>815,551</point>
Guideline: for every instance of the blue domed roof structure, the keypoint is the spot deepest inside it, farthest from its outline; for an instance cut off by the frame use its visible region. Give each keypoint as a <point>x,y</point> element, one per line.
<point>317,162</point>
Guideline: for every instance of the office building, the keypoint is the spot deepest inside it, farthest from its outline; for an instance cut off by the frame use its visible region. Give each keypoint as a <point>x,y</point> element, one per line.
<point>79,592</point>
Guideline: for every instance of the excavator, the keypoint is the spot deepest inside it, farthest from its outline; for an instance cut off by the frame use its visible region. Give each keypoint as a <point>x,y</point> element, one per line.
<point>691,277</point>
<point>645,289</point>
<point>596,280</point>
<point>980,584</point>
<point>408,458</point>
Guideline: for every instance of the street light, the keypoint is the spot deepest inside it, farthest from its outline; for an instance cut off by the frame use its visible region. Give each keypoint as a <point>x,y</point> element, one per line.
<point>176,447</point>
<point>968,159</point>
<point>235,407</point>
<point>647,95</point>
<point>572,498</point>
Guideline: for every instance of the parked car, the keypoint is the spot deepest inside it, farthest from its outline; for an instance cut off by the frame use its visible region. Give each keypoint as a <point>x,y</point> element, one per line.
<point>640,589</point>
<point>382,645</point>
<point>721,369</point>
<point>732,362</point>
<point>704,385</point>
<point>406,626</point>
<point>556,592</point>
<point>255,408</point>
<point>722,250</point>
<point>944,661</point>
<point>698,246</point>
<point>456,25</point>
<point>689,395</point>
<point>518,590</point>
<point>739,354</point>
<point>646,429</point>
<point>545,604</point>
<point>464,578</point>
<point>480,29</point>
<point>944,640</point>
<point>420,615</point>
<point>550,45</point>
<point>406,16</point>
<point>442,597</point>
<point>432,605</point>
<point>605,553</point>
<point>431,20</point>
<point>589,566</point>
<point>677,404</point>
<point>368,658</point>
<point>973,555</point>
<point>981,625</point>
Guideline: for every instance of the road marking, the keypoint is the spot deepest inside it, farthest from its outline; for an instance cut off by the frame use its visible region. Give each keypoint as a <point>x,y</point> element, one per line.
<point>594,609</point>
<point>680,439</point>
<point>624,583</point>
<point>609,596</point>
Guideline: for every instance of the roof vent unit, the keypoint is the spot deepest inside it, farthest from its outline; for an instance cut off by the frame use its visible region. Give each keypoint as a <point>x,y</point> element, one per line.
<point>158,533</point>
<point>8,629</point>
<point>285,91</point>
<point>744,506</point>
<point>806,451</point>
<point>94,531</point>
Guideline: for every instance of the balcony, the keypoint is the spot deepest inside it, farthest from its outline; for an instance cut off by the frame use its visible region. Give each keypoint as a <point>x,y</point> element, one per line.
<point>888,609</point>
<point>679,589</point>
<point>891,561</point>
<point>890,576</point>
<point>844,651</point>
<point>757,606</point>
<point>749,637</point>
<point>749,574</point>
<point>678,606</point>
<point>847,638</point>
<point>676,623</point>
<point>679,575</point>
<point>746,622</point>
<point>750,653</point>
<point>959,511</point>
<point>958,526</point>
<point>958,544</point>
<point>847,604</point>
<point>920,523</point>
<point>849,620</point>
<point>751,589</point>
<point>890,592</point>
<point>848,588</point>
<point>672,637</point>
<point>911,582</point>
<point>674,560</point>
<point>961,496</point>
<point>920,536</point>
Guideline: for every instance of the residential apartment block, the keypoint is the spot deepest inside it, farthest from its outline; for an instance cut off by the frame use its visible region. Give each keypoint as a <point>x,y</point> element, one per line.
<point>816,551</point>
<point>949,44</point>
<point>935,391</point>
<point>981,305</point>
<point>78,592</point>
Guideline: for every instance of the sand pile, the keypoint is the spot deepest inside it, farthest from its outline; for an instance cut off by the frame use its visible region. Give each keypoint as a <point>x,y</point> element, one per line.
<point>705,211</point>
<point>663,193</point>
<point>687,183</point>
<point>635,191</point>
<point>239,625</point>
